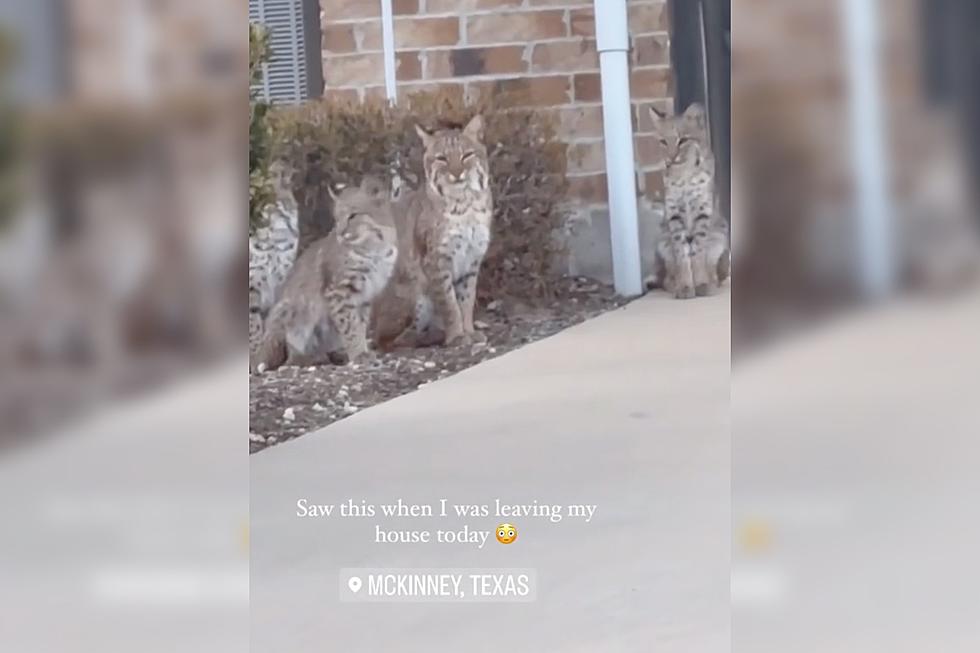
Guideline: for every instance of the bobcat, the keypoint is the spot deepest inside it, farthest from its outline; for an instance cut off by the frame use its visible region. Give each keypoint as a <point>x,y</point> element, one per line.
<point>271,251</point>
<point>692,256</point>
<point>325,302</point>
<point>444,232</point>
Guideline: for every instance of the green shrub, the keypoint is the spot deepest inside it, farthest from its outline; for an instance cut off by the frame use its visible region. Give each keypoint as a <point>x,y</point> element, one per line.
<point>330,141</point>
<point>10,134</point>
<point>260,192</point>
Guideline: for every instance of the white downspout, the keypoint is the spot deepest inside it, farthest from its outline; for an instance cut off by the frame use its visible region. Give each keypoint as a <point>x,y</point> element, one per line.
<point>388,44</point>
<point>874,229</point>
<point>612,42</point>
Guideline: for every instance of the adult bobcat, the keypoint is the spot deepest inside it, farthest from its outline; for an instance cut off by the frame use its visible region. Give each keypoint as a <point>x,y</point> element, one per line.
<point>325,302</point>
<point>692,256</point>
<point>443,232</point>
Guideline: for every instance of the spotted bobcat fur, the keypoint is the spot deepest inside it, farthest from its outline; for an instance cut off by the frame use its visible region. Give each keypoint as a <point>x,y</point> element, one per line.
<point>692,256</point>
<point>325,303</point>
<point>444,232</point>
<point>271,252</point>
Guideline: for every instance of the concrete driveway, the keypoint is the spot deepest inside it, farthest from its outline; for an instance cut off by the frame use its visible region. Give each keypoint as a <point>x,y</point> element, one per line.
<point>629,412</point>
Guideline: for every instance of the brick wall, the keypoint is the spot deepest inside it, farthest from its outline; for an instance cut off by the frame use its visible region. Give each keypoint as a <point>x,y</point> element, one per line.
<point>540,51</point>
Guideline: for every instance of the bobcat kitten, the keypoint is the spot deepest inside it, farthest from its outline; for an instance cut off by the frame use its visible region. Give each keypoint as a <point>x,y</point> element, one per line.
<point>692,256</point>
<point>271,251</point>
<point>444,232</point>
<point>325,302</point>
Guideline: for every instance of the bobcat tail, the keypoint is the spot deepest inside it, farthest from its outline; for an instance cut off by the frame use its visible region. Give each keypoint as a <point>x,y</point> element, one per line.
<point>653,282</point>
<point>271,352</point>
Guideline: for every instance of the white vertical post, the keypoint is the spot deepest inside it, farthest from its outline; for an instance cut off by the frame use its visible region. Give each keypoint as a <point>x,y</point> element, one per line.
<point>137,48</point>
<point>869,160</point>
<point>388,43</point>
<point>612,42</point>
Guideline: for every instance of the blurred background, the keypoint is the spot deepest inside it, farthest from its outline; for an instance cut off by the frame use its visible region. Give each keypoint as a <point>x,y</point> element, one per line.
<point>120,250</point>
<point>856,142</point>
<point>122,227</point>
<point>855,158</point>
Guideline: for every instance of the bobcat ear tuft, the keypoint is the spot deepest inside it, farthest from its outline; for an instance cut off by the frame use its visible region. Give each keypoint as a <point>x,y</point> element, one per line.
<point>694,110</point>
<point>658,119</point>
<point>474,128</point>
<point>694,114</point>
<point>425,135</point>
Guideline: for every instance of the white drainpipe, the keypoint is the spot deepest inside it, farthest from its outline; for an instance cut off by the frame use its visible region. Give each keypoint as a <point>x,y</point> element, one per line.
<point>612,41</point>
<point>869,159</point>
<point>388,44</point>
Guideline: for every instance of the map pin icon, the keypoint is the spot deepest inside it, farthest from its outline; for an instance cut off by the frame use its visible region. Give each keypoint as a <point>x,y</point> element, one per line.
<point>354,584</point>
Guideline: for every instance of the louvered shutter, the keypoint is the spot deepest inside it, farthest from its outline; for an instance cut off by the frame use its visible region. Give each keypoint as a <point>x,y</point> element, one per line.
<point>285,78</point>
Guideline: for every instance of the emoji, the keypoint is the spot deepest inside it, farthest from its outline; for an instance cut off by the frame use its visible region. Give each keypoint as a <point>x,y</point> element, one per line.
<point>506,533</point>
<point>756,536</point>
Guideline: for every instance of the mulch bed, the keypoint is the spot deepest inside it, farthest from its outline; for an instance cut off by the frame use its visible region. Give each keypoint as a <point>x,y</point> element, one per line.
<point>291,401</point>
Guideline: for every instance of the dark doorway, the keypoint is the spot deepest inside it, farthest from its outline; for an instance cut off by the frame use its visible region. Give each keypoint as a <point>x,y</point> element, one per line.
<point>951,75</point>
<point>701,59</point>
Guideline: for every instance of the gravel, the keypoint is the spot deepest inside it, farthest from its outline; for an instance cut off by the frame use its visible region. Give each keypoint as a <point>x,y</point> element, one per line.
<point>291,401</point>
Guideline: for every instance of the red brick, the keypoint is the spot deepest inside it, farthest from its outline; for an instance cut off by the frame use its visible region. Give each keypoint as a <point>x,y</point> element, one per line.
<point>580,122</point>
<point>339,39</point>
<point>586,157</point>
<point>354,70</point>
<point>464,62</point>
<point>412,33</point>
<point>591,189</point>
<point>368,35</point>
<point>653,184</point>
<point>375,93</point>
<point>650,83</point>
<point>523,91</point>
<point>341,94</point>
<point>344,9</point>
<point>649,152</point>
<point>452,90</point>
<point>408,66</point>
<point>515,26</point>
<point>643,121</point>
<point>465,6</point>
<point>561,3</point>
<point>405,7</point>
<point>650,17</point>
<point>588,87</point>
<point>438,64</point>
<point>582,22</point>
<point>426,32</point>
<point>651,50</point>
<point>565,56</point>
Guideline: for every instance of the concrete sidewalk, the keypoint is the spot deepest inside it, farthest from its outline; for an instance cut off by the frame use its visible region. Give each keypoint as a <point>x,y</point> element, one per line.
<point>629,411</point>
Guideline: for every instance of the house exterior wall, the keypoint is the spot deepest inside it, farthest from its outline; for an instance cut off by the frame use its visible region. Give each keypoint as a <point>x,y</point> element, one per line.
<point>542,51</point>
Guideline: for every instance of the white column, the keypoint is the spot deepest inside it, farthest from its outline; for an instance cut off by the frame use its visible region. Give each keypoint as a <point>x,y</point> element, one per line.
<point>869,159</point>
<point>388,43</point>
<point>612,41</point>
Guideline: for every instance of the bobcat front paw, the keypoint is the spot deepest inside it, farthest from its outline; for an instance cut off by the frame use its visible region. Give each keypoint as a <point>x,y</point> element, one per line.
<point>684,292</point>
<point>478,338</point>
<point>703,289</point>
<point>458,340</point>
<point>365,358</point>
